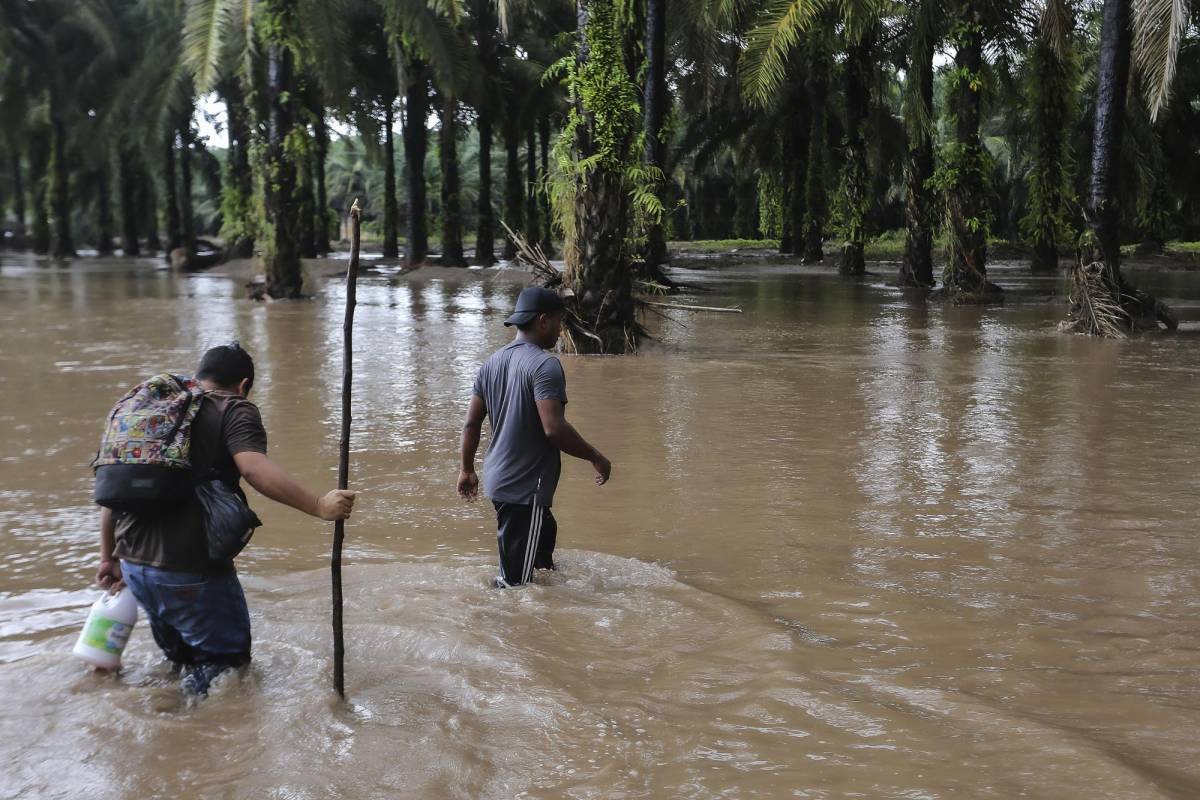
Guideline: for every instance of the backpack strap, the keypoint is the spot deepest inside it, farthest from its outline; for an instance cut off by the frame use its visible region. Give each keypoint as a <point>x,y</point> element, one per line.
<point>212,473</point>
<point>197,397</point>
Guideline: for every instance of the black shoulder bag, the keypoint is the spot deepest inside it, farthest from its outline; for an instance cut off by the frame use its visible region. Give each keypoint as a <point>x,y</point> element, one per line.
<point>229,521</point>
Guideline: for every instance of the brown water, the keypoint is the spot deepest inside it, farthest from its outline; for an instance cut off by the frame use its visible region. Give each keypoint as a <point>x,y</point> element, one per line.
<point>853,547</point>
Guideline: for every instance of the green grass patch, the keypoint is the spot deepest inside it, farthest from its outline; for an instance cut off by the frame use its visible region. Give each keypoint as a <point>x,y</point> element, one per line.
<point>724,245</point>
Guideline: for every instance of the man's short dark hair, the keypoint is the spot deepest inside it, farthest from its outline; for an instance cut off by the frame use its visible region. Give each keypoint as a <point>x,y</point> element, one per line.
<point>227,366</point>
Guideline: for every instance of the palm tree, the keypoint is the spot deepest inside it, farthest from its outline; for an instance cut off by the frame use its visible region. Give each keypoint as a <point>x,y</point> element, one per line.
<point>816,207</point>
<point>371,106</point>
<point>425,47</point>
<point>55,42</point>
<point>1050,84</point>
<point>483,98</point>
<point>853,199</point>
<point>1155,29</point>
<point>602,130</point>
<point>916,269</point>
<point>265,44</point>
<point>452,247</point>
<point>655,100</point>
<point>780,29</point>
<point>416,145</point>
<point>966,167</point>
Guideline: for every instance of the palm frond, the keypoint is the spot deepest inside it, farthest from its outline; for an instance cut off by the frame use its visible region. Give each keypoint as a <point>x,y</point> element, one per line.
<point>1095,311</point>
<point>770,43</point>
<point>508,10</point>
<point>421,31</point>
<point>1056,25</point>
<point>926,30</point>
<point>97,22</point>
<point>326,27</point>
<point>205,27</point>
<point>1158,28</point>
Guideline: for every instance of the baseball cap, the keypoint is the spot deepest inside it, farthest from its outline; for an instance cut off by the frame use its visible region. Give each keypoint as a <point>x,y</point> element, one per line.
<point>533,301</point>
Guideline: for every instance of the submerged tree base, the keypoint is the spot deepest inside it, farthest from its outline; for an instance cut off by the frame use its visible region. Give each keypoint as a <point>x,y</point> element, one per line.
<point>582,332</point>
<point>985,293</point>
<point>1101,306</point>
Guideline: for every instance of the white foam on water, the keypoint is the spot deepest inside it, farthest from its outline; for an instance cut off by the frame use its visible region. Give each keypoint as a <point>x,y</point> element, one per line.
<point>607,678</point>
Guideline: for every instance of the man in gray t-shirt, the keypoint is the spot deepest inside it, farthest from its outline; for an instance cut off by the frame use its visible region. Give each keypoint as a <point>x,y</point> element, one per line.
<point>522,390</point>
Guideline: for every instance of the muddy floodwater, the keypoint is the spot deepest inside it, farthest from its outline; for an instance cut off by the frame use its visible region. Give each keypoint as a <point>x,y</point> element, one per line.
<point>854,546</point>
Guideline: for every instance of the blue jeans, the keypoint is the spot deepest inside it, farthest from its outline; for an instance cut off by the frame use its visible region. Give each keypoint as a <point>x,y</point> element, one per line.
<point>200,621</point>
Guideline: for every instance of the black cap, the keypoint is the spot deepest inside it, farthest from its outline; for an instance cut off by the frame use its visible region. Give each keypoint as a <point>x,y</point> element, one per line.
<point>533,301</point>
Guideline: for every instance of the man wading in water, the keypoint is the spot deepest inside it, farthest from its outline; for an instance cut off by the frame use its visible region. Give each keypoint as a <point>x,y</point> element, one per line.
<point>196,607</point>
<point>522,390</point>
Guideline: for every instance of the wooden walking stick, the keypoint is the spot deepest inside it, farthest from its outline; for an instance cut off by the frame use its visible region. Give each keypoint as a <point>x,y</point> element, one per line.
<point>339,527</point>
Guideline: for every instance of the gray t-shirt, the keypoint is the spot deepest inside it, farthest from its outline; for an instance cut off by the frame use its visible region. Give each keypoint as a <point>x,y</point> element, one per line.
<point>520,462</point>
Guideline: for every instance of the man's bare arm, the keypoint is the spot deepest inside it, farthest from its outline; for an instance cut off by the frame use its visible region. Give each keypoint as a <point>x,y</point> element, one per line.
<point>468,481</point>
<point>108,574</point>
<point>563,435</point>
<point>272,481</point>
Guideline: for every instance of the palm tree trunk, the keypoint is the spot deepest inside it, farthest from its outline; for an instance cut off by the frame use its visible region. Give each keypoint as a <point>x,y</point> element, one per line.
<point>916,270</point>
<point>599,269</point>
<point>514,200</point>
<point>104,219</point>
<point>281,254</point>
<point>655,112</point>
<point>391,214</point>
<point>1051,91</point>
<point>416,139</point>
<point>18,200</point>
<point>186,215</point>
<point>148,210</point>
<point>485,36</point>
<point>745,207</point>
<point>174,229</point>
<point>854,181</point>
<point>128,183</point>
<point>1102,241</point>
<point>1152,218</point>
<point>39,165</point>
<point>60,185</point>
<point>321,132</point>
<point>532,227</point>
<point>485,235</point>
<point>544,196</point>
<point>1112,79</point>
<point>815,191</point>
<point>966,273</point>
<point>452,224</point>
<point>797,155</point>
<point>306,211</point>
<point>238,191</point>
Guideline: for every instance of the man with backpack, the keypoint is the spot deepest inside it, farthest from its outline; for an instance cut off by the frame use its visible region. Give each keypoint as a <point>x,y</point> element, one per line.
<point>522,390</point>
<point>195,605</point>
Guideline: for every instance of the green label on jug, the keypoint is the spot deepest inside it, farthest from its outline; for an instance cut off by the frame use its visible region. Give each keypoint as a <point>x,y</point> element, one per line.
<point>106,634</point>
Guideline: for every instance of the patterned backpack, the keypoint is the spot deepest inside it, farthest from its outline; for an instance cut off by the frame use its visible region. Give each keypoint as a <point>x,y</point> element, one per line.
<point>144,458</point>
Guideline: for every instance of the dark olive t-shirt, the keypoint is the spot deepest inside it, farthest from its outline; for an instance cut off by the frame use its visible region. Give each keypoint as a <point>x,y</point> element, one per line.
<point>174,539</point>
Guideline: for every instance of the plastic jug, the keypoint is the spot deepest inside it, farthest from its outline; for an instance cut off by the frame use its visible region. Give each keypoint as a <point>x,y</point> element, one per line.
<point>107,629</point>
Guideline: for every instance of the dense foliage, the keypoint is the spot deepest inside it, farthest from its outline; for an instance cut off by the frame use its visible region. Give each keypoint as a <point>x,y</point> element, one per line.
<point>822,125</point>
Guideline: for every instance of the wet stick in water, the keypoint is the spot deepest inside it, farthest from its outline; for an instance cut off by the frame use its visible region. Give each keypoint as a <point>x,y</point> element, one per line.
<point>339,527</point>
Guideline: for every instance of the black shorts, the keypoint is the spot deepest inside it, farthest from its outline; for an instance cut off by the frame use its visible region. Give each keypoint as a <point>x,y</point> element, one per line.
<point>526,535</point>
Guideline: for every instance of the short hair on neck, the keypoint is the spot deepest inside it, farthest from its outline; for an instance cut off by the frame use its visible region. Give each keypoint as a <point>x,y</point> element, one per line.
<point>226,365</point>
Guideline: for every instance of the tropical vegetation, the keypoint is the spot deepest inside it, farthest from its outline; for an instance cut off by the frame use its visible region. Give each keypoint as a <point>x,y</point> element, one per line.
<point>603,129</point>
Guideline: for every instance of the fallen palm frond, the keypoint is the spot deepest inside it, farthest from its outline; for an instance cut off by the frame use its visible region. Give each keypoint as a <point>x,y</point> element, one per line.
<point>547,275</point>
<point>533,256</point>
<point>1095,309</point>
<point>574,326</point>
<point>733,310</point>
